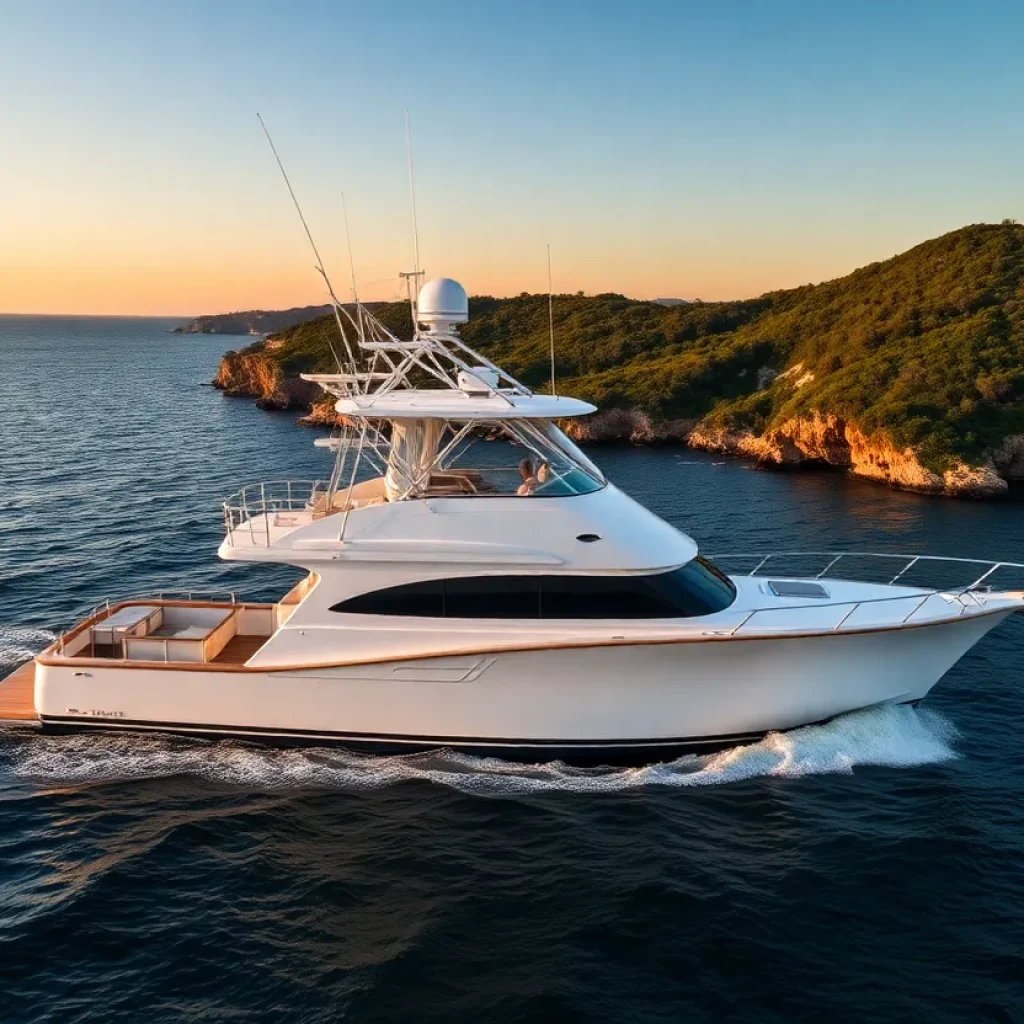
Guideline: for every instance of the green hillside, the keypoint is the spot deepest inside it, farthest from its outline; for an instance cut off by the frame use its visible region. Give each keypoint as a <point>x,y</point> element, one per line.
<point>927,348</point>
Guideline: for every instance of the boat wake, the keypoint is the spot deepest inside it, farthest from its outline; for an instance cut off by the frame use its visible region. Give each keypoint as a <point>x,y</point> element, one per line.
<point>19,644</point>
<point>886,736</point>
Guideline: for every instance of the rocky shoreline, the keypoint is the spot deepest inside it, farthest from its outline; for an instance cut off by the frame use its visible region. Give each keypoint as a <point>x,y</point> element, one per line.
<point>815,440</point>
<point>827,440</point>
<point>252,375</point>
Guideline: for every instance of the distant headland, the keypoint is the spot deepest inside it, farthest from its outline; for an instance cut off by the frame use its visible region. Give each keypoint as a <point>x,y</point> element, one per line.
<point>252,321</point>
<point>909,371</point>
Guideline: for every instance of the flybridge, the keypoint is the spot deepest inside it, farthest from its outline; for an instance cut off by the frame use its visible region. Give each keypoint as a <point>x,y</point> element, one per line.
<point>412,415</point>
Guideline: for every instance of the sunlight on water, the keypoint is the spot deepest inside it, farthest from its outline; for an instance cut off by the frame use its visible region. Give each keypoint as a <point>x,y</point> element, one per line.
<point>891,736</point>
<point>18,645</point>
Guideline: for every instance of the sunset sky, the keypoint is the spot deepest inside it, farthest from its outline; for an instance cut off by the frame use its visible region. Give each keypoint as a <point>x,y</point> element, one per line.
<point>712,149</point>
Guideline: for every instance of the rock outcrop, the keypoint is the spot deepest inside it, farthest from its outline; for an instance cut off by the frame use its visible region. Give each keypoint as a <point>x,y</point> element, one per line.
<point>829,440</point>
<point>251,375</point>
<point>1008,458</point>
<point>322,414</point>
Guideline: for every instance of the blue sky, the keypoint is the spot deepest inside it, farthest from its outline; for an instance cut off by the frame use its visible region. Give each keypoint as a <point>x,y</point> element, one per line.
<point>693,149</point>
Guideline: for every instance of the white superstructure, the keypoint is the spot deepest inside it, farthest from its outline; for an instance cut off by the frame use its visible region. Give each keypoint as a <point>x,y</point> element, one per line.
<point>474,581</point>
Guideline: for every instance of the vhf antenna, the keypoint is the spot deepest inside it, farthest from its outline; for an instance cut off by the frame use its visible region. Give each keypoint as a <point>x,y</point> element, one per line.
<point>551,324</point>
<point>316,252</point>
<point>352,271</point>
<point>416,272</point>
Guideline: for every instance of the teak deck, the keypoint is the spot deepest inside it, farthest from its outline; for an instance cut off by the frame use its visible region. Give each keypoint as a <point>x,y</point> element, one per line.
<point>239,649</point>
<point>17,697</point>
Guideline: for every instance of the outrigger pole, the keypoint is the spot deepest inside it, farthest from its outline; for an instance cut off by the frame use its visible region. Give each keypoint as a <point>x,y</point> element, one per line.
<point>316,253</point>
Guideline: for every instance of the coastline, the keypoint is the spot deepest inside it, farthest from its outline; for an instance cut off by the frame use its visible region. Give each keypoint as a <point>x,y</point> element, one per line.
<point>809,442</point>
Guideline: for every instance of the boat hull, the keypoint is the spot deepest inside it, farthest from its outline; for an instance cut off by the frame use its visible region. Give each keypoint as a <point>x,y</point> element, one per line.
<point>639,702</point>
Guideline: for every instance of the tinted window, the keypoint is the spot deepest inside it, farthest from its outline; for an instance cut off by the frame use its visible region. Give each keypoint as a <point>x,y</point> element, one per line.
<point>602,597</point>
<point>492,597</point>
<point>698,588</point>
<point>426,598</point>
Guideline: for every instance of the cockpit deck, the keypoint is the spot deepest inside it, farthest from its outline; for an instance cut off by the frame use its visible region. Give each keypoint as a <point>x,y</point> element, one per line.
<point>179,632</point>
<point>237,651</point>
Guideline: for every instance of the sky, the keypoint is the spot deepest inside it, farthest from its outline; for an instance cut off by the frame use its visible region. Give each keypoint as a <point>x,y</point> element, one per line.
<point>710,150</point>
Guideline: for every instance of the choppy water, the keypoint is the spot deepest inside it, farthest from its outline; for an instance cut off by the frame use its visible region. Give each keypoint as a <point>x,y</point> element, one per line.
<point>871,867</point>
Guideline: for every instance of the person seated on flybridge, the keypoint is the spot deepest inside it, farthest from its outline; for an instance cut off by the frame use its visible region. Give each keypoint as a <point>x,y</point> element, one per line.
<point>532,481</point>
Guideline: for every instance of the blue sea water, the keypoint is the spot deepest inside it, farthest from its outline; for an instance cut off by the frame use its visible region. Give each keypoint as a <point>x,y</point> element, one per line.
<point>871,868</point>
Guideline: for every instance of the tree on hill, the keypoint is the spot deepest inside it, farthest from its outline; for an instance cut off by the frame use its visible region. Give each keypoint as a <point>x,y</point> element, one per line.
<point>927,347</point>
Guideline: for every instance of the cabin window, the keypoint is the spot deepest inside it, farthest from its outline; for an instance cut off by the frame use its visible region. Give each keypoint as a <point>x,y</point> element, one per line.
<point>425,598</point>
<point>697,588</point>
<point>492,597</point>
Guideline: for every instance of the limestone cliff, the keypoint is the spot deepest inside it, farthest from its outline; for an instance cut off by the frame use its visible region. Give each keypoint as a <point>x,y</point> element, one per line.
<point>322,414</point>
<point>830,440</point>
<point>253,375</point>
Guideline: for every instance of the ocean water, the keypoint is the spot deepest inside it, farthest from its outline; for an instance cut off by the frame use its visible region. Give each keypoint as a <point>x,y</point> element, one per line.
<point>870,868</point>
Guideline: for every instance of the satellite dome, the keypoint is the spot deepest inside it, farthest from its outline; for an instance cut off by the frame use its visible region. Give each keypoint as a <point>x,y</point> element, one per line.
<point>442,302</point>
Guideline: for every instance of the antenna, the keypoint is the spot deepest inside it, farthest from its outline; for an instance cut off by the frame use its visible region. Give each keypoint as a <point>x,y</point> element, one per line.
<point>416,272</point>
<point>551,324</point>
<point>409,276</point>
<point>352,270</point>
<point>312,245</point>
<point>412,193</point>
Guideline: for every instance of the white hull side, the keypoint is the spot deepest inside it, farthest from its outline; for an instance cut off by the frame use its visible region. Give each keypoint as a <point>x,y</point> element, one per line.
<point>608,695</point>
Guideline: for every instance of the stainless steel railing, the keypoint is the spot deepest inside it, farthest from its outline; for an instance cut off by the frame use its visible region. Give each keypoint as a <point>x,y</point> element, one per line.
<point>253,507</point>
<point>966,596</point>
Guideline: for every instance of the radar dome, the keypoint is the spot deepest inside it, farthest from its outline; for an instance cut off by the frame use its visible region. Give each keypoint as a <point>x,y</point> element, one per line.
<point>442,302</point>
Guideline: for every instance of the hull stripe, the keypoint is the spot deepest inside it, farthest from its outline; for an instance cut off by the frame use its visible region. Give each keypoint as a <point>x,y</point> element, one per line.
<point>261,732</point>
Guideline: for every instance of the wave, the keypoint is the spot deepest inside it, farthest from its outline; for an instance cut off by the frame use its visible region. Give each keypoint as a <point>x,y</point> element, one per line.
<point>18,644</point>
<point>887,736</point>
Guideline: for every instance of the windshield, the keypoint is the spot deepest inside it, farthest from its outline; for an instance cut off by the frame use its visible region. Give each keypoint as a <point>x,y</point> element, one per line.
<point>521,458</point>
<point>518,458</point>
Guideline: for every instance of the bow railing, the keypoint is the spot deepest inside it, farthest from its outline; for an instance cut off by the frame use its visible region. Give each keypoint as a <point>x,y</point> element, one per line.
<point>838,565</point>
<point>832,559</point>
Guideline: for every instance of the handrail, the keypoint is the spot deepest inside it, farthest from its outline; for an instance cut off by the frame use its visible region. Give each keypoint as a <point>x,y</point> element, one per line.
<point>966,596</point>
<point>963,598</point>
<point>286,497</point>
<point>911,560</point>
<point>245,505</point>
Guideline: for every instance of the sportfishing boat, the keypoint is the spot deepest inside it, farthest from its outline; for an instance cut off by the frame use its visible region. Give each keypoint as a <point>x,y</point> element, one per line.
<point>473,581</point>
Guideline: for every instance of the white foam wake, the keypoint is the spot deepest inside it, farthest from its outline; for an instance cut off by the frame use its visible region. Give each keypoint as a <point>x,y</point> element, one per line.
<point>892,736</point>
<point>18,644</point>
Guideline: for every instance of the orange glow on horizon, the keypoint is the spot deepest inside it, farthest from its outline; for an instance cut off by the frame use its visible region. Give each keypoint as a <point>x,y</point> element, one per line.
<point>184,287</point>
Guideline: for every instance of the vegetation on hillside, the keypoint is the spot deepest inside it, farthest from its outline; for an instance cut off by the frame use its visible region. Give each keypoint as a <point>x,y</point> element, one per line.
<point>927,348</point>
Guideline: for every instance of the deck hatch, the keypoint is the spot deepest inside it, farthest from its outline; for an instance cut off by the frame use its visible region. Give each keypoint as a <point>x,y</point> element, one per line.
<point>796,588</point>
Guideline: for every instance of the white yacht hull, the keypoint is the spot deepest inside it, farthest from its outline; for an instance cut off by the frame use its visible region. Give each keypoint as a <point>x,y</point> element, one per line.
<point>629,701</point>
